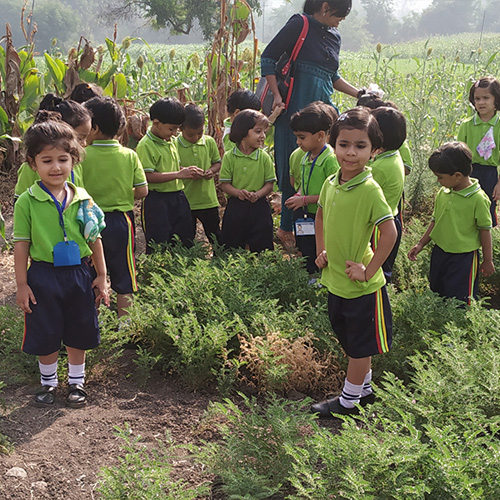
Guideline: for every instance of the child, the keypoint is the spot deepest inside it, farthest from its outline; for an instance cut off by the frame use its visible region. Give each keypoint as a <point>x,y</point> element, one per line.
<point>200,150</point>
<point>481,132</point>
<point>56,292</point>
<point>114,177</point>
<point>461,223</point>
<point>74,114</point>
<point>247,176</point>
<point>389,172</point>
<point>350,205</point>
<point>165,211</point>
<point>311,127</point>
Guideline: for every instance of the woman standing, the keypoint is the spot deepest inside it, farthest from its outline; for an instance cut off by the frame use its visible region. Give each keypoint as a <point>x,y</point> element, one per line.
<point>316,77</point>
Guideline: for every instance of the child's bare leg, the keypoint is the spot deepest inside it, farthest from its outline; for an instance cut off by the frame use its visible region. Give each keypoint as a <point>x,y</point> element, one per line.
<point>123,301</point>
<point>77,397</point>
<point>357,369</point>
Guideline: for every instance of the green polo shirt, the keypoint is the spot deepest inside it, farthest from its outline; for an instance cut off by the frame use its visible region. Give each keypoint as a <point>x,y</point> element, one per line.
<point>228,145</point>
<point>248,172</point>
<point>295,163</point>
<point>473,130</point>
<point>389,173</point>
<point>405,153</point>
<point>158,155</point>
<point>350,213</point>
<point>36,220</point>
<point>200,193</point>
<point>458,218</point>
<point>110,174</point>
<point>26,177</point>
<point>312,178</point>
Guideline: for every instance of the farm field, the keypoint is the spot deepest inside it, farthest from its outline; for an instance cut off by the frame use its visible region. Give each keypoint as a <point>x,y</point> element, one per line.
<point>230,350</point>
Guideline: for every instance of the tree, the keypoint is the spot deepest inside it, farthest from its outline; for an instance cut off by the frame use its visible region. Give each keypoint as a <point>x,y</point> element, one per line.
<point>445,17</point>
<point>379,19</point>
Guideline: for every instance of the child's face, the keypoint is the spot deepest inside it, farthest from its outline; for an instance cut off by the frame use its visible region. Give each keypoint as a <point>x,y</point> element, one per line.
<point>450,181</point>
<point>353,149</point>
<point>192,135</point>
<point>256,137</point>
<point>310,142</point>
<point>82,132</point>
<point>53,165</point>
<point>164,131</point>
<point>484,102</point>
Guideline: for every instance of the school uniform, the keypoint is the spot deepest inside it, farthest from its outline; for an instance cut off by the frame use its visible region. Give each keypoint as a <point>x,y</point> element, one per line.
<point>312,175</point>
<point>65,310</point>
<point>474,132</point>
<point>165,210</point>
<point>201,193</point>
<point>458,216</point>
<point>245,222</point>
<point>110,172</point>
<point>389,173</point>
<point>359,312</point>
<point>227,144</point>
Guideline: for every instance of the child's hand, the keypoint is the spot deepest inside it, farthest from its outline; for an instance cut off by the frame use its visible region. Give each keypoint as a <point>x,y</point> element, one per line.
<point>23,297</point>
<point>208,174</point>
<point>252,197</point>
<point>355,270</point>
<point>276,112</point>
<point>294,202</point>
<point>412,254</point>
<point>487,268</point>
<point>321,260</point>
<point>102,288</point>
<point>190,173</point>
<point>244,195</point>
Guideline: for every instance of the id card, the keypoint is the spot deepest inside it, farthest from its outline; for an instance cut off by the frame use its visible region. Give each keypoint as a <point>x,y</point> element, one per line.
<point>304,227</point>
<point>67,253</point>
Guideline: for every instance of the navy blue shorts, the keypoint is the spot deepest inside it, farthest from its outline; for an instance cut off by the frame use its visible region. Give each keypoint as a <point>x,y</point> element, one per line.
<point>209,217</point>
<point>454,275</point>
<point>363,325</point>
<point>118,241</point>
<point>165,215</point>
<point>65,309</point>
<point>488,177</point>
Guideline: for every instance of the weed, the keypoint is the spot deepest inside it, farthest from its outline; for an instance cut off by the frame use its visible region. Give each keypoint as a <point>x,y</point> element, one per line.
<point>145,363</point>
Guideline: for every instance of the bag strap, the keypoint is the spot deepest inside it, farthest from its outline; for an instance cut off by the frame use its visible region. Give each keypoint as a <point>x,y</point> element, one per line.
<point>298,45</point>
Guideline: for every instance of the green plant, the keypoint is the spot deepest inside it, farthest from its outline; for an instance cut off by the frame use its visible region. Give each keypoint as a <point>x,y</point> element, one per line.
<point>145,363</point>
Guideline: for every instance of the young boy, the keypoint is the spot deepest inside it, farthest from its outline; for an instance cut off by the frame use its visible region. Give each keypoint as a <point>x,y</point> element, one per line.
<point>200,150</point>
<point>165,211</point>
<point>461,223</point>
<point>114,177</point>
<point>350,205</point>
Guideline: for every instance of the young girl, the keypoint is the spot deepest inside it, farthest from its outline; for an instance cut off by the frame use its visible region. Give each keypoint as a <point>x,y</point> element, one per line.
<point>75,115</point>
<point>351,205</point>
<point>56,292</point>
<point>481,132</point>
<point>311,127</point>
<point>247,176</point>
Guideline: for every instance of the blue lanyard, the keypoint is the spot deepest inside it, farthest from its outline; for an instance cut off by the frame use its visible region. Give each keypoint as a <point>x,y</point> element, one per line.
<point>60,206</point>
<point>304,190</point>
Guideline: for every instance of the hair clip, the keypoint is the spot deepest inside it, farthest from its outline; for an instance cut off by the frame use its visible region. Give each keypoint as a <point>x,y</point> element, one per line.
<point>342,117</point>
<point>476,85</point>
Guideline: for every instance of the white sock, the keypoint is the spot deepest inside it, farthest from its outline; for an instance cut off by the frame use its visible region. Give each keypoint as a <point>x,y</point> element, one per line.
<point>76,374</point>
<point>48,374</point>
<point>367,386</point>
<point>350,394</point>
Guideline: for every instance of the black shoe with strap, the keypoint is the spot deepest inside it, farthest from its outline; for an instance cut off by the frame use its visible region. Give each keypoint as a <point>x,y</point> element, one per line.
<point>46,397</point>
<point>326,409</point>
<point>77,397</point>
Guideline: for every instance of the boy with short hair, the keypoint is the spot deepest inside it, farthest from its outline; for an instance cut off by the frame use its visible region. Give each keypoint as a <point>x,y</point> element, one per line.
<point>165,211</point>
<point>461,223</point>
<point>200,150</point>
<point>114,177</point>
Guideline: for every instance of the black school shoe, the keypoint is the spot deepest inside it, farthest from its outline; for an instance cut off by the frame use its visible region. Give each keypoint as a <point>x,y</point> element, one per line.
<point>77,397</point>
<point>326,408</point>
<point>46,397</point>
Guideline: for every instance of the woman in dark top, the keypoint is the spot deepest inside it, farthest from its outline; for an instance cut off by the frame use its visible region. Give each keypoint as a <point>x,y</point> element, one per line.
<point>316,77</point>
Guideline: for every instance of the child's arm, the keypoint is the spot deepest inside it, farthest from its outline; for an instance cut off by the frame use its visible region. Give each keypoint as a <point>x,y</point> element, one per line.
<point>496,191</point>
<point>487,267</point>
<point>412,254</point>
<point>388,235</point>
<point>183,173</point>
<point>298,201</point>
<point>276,112</point>
<point>261,193</point>
<point>321,259</point>
<point>140,192</point>
<point>100,267</point>
<point>214,169</point>
<point>292,181</point>
<point>24,293</point>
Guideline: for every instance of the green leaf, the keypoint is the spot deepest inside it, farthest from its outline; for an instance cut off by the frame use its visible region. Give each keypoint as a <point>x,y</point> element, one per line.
<point>121,85</point>
<point>4,120</point>
<point>104,79</point>
<point>54,71</point>
<point>88,76</point>
<point>2,226</point>
<point>113,52</point>
<point>31,91</point>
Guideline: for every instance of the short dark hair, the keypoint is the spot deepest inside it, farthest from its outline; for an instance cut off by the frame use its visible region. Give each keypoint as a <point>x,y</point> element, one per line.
<point>357,119</point>
<point>490,83</point>
<point>392,124</point>
<point>243,99</point>
<point>195,118</point>
<point>451,157</point>
<point>71,112</point>
<point>51,133</point>
<point>243,122</point>
<point>313,118</point>
<point>83,92</point>
<point>168,110</point>
<point>107,114</point>
<point>339,8</point>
